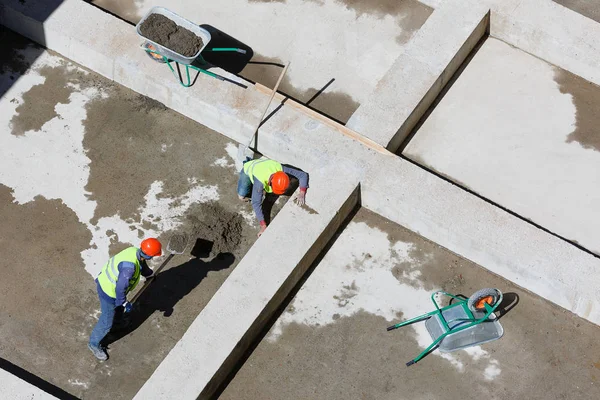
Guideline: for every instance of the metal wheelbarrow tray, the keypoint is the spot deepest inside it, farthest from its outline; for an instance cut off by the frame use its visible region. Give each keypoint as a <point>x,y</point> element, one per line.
<point>165,51</point>
<point>162,54</point>
<point>464,323</point>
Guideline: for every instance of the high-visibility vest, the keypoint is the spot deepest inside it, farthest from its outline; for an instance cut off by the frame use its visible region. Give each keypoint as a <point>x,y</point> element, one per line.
<point>262,169</point>
<point>110,272</point>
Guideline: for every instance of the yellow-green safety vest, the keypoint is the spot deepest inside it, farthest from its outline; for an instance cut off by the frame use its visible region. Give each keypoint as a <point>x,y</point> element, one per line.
<point>110,272</point>
<point>262,169</point>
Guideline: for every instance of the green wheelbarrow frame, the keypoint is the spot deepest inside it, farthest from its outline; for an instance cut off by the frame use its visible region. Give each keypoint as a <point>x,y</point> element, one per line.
<point>463,323</point>
<point>188,82</point>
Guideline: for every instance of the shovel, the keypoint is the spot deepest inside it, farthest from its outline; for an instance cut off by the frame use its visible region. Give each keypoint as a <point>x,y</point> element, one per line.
<point>177,245</point>
<point>245,152</point>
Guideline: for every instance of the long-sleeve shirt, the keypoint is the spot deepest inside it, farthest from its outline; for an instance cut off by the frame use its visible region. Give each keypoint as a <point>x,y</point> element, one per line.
<point>126,270</point>
<point>258,189</point>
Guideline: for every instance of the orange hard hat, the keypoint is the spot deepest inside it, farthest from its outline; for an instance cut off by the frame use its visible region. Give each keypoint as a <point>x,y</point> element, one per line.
<point>151,247</point>
<point>280,182</point>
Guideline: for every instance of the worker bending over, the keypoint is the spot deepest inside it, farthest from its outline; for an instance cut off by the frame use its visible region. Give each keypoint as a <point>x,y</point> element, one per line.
<point>119,276</point>
<point>266,175</point>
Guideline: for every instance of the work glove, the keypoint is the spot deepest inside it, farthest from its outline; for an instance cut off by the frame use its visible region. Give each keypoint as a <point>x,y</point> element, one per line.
<point>301,199</point>
<point>127,306</point>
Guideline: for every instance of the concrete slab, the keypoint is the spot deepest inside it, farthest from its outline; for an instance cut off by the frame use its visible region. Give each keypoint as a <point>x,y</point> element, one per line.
<point>331,340</point>
<point>229,324</point>
<point>404,193</point>
<point>520,132</point>
<point>551,32</point>
<point>589,8</point>
<point>88,168</point>
<point>353,43</point>
<point>418,76</point>
<point>17,389</point>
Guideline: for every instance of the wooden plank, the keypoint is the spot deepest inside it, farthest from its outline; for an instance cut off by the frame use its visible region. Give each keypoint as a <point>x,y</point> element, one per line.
<point>326,121</point>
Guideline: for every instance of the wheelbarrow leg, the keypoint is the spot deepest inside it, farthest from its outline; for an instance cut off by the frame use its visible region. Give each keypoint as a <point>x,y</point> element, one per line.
<point>429,349</point>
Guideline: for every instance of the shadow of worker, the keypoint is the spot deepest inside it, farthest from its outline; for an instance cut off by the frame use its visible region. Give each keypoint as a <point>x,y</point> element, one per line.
<point>162,295</point>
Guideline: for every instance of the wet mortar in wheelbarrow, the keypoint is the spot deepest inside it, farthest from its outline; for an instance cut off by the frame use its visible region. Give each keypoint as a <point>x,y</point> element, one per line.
<point>174,40</point>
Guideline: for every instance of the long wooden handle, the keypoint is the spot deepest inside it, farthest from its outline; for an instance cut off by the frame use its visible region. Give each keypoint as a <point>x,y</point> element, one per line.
<point>273,92</point>
<point>327,121</point>
<point>149,281</point>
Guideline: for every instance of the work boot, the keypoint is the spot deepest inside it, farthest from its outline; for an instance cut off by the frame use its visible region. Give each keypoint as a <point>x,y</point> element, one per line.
<point>244,199</point>
<point>98,352</point>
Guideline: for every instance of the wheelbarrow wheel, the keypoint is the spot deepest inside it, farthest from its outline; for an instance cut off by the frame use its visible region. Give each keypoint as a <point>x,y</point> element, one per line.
<point>478,300</point>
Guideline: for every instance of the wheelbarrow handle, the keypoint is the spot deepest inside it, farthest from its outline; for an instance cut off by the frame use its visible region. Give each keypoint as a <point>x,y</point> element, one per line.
<point>412,320</point>
<point>227,49</point>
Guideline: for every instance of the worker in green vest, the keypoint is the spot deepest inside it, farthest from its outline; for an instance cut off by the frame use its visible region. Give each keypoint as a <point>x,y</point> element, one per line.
<point>266,175</point>
<point>119,276</point>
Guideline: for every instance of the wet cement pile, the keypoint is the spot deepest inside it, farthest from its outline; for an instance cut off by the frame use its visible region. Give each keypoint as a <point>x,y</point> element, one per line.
<point>214,230</point>
<point>167,33</point>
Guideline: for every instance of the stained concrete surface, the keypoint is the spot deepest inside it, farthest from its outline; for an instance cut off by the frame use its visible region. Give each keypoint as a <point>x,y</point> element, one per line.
<point>589,8</point>
<point>89,168</point>
<point>522,133</point>
<point>331,340</point>
<point>352,42</point>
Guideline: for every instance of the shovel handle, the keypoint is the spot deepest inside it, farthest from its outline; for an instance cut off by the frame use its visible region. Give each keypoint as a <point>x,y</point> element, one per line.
<point>163,264</point>
<point>273,93</point>
<point>149,281</point>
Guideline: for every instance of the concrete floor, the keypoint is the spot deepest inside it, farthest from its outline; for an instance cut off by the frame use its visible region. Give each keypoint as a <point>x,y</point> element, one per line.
<point>352,42</point>
<point>331,340</point>
<point>589,8</point>
<point>522,133</point>
<point>88,168</point>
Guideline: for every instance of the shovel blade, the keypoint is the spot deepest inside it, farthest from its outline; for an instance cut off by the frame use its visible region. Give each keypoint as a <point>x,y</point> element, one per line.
<point>177,243</point>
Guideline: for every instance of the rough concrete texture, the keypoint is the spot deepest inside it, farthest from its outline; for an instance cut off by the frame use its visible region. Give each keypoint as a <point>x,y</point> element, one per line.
<point>416,78</point>
<point>551,32</point>
<point>404,193</point>
<point>522,133</point>
<point>331,340</point>
<point>589,8</point>
<point>17,389</point>
<point>213,345</point>
<point>353,42</point>
<point>89,168</point>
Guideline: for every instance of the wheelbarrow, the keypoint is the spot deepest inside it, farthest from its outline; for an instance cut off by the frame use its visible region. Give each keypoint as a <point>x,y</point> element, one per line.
<point>162,54</point>
<point>465,322</point>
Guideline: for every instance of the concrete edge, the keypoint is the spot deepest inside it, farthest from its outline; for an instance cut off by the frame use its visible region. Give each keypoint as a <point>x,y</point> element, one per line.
<point>15,388</point>
<point>222,116</point>
<point>424,205</point>
<point>478,34</point>
<point>258,326</point>
<point>551,32</point>
<point>203,359</point>
<point>494,239</point>
<point>398,101</point>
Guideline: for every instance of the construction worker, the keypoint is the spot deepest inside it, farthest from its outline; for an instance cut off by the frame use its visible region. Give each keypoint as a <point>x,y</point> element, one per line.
<point>266,175</point>
<point>118,277</point>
